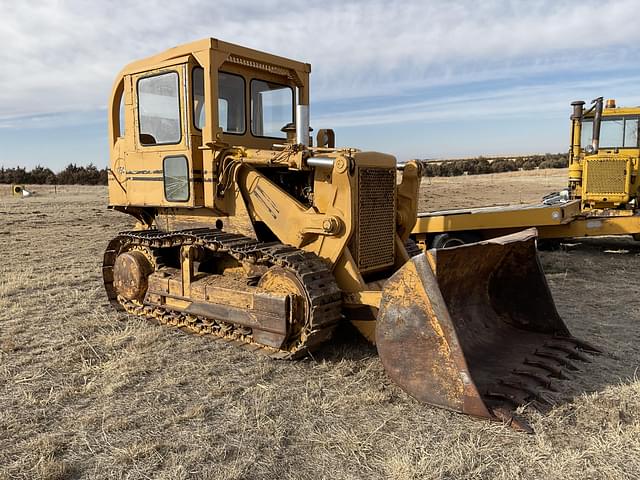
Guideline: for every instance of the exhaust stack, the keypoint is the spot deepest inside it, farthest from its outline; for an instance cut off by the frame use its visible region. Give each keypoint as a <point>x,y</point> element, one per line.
<point>302,125</point>
<point>597,120</point>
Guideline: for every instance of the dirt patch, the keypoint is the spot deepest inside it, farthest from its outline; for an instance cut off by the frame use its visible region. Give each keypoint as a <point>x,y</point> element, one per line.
<point>89,393</point>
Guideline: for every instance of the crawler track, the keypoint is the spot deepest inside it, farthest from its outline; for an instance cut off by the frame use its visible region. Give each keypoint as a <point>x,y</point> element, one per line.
<point>323,295</point>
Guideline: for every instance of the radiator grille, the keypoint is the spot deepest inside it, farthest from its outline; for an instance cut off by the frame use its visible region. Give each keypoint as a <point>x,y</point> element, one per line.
<point>373,245</point>
<point>606,176</point>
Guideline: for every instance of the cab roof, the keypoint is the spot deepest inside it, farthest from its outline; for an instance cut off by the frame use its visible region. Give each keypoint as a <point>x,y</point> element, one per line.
<point>237,52</point>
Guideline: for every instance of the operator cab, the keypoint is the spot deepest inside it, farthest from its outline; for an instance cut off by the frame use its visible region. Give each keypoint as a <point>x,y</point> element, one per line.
<point>169,117</point>
<point>605,155</point>
<point>616,131</point>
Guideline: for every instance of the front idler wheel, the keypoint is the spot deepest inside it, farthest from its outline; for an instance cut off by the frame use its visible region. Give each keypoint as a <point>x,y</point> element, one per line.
<point>131,271</point>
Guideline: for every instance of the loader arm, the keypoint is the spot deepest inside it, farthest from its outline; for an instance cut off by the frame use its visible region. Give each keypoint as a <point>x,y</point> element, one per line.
<point>323,233</point>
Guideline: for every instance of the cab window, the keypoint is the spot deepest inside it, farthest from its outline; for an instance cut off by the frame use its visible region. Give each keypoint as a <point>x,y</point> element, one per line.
<point>159,109</point>
<point>612,133</point>
<point>175,170</point>
<point>231,106</point>
<point>631,132</point>
<point>118,120</point>
<point>271,108</point>
<point>198,97</point>
<point>121,117</point>
<point>616,132</point>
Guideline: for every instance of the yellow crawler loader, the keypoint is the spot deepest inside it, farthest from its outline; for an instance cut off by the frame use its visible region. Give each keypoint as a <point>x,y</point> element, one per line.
<point>601,197</point>
<point>248,233</point>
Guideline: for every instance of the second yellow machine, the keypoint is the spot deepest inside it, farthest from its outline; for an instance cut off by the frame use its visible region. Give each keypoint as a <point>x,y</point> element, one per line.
<point>247,233</point>
<point>601,197</point>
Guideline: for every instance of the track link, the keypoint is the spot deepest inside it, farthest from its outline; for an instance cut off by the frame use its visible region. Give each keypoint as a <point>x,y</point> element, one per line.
<point>323,295</point>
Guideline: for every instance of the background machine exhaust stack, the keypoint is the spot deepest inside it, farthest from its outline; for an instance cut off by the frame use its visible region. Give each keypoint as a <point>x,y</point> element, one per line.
<point>597,121</point>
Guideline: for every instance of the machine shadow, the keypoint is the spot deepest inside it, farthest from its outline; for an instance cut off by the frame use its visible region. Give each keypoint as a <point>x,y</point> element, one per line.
<point>603,266</point>
<point>621,245</point>
<point>347,344</point>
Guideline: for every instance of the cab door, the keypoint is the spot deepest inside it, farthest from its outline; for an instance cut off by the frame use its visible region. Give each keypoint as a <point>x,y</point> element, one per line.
<point>160,168</point>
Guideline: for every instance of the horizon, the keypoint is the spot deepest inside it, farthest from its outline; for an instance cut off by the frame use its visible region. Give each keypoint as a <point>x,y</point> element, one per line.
<point>490,79</point>
<point>425,160</point>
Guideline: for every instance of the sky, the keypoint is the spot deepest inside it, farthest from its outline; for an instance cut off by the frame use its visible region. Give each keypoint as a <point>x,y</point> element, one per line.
<point>416,78</point>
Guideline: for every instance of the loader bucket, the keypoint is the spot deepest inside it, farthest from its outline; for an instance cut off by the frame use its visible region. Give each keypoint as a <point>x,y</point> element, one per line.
<point>474,329</point>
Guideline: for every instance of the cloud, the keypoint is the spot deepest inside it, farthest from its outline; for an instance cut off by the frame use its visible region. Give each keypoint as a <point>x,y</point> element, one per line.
<point>546,99</point>
<point>60,57</point>
<point>56,120</point>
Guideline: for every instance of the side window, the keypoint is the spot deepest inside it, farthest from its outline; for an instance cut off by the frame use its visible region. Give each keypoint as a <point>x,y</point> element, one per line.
<point>175,171</point>
<point>198,97</point>
<point>159,109</point>
<point>631,132</point>
<point>231,103</point>
<point>121,117</point>
<point>587,133</point>
<point>271,108</point>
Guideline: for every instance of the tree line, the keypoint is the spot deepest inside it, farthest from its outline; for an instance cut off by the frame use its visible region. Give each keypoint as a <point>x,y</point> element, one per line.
<point>478,165</point>
<point>71,175</point>
<point>91,175</point>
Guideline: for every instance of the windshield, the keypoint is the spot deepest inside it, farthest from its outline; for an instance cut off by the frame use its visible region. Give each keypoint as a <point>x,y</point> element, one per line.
<point>615,132</point>
<point>271,108</point>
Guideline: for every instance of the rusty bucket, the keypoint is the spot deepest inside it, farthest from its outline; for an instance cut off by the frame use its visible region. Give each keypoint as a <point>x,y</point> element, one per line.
<point>474,329</point>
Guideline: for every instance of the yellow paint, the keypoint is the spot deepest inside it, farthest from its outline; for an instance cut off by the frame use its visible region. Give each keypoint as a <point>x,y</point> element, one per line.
<point>410,292</point>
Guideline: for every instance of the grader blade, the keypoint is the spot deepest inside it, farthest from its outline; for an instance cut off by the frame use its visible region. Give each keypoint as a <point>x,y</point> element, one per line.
<point>474,329</point>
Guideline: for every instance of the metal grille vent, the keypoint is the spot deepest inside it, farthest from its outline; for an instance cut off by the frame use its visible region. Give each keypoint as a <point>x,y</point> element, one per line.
<point>606,176</point>
<point>259,65</point>
<point>373,245</point>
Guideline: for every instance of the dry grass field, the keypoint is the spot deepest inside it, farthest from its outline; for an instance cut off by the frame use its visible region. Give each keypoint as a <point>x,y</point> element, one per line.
<point>468,191</point>
<point>86,392</point>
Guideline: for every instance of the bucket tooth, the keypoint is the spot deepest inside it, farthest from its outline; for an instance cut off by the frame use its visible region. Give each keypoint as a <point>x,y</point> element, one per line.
<point>511,395</point>
<point>543,397</point>
<point>555,371</point>
<point>538,375</point>
<point>581,344</point>
<point>534,391</point>
<point>455,322</point>
<point>508,417</point>
<point>542,407</point>
<point>561,359</point>
<point>519,399</point>
<point>572,352</point>
<point>519,395</point>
